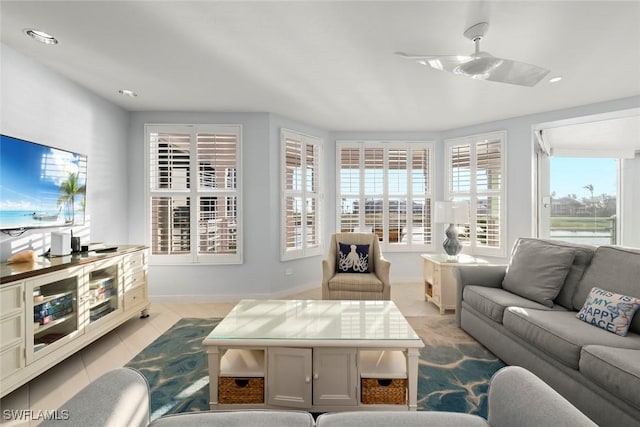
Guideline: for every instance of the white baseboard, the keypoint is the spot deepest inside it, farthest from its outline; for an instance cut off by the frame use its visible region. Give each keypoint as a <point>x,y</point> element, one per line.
<point>231,297</point>
<point>399,281</point>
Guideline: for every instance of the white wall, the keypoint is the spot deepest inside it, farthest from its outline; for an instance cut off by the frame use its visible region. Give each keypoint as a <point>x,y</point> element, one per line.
<point>631,203</point>
<point>520,159</point>
<point>39,105</point>
<point>405,266</point>
<point>262,274</point>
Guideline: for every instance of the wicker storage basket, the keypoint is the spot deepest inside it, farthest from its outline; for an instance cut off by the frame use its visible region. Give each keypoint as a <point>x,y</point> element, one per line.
<point>240,390</point>
<point>379,390</point>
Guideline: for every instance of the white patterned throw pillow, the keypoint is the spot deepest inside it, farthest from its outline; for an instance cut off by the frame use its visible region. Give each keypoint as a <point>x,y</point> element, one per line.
<point>609,311</point>
<point>353,258</point>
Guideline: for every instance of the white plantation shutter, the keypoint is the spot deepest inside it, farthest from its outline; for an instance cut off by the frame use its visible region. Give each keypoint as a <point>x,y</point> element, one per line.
<point>217,158</point>
<point>170,160</point>
<point>460,175</point>
<point>421,232</point>
<point>217,170</point>
<point>373,190</point>
<point>349,189</point>
<point>385,188</point>
<point>488,185</point>
<point>194,221</point>
<point>301,195</point>
<point>170,222</point>
<point>475,168</point>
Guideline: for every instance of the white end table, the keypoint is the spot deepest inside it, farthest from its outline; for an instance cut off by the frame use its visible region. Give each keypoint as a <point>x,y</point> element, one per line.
<point>439,284</point>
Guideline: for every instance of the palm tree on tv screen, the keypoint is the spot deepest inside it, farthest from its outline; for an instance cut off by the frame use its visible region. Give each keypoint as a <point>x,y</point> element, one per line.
<point>69,189</point>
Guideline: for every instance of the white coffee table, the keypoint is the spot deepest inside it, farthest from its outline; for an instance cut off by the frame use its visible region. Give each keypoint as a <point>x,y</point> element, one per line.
<point>312,354</point>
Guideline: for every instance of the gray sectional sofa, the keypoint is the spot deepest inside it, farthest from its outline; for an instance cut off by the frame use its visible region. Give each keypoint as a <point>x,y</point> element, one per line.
<point>527,314</point>
<point>121,398</point>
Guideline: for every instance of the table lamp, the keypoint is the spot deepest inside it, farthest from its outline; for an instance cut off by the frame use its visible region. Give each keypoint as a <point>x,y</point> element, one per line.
<point>452,213</point>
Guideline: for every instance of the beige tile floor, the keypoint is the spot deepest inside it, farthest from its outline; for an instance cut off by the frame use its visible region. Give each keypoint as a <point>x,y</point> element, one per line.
<point>52,388</point>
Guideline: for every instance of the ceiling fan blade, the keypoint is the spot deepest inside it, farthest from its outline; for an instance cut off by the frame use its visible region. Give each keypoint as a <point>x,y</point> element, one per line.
<point>439,62</point>
<point>517,73</point>
<point>483,66</point>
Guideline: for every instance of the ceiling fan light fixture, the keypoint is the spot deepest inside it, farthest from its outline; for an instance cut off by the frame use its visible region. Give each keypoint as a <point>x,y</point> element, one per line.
<point>127,92</point>
<point>40,36</point>
<point>435,63</point>
<point>479,67</point>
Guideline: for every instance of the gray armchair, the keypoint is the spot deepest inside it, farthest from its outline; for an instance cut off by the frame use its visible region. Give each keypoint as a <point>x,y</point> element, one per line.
<point>371,285</point>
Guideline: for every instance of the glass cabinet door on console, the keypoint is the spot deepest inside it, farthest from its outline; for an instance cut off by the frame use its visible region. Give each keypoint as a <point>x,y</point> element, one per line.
<point>102,295</point>
<point>54,301</point>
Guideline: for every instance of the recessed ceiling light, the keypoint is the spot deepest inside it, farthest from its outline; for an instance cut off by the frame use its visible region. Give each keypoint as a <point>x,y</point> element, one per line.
<point>40,36</point>
<point>127,92</point>
<point>555,79</point>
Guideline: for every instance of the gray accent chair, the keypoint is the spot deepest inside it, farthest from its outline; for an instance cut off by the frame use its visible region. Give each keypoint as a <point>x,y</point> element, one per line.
<point>373,285</point>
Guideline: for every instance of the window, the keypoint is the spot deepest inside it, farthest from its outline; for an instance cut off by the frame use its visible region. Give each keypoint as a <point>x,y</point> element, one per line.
<point>582,206</point>
<point>587,170</point>
<point>194,193</point>
<point>475,168</point>
<point>386,188</point>
<point>301,196</point>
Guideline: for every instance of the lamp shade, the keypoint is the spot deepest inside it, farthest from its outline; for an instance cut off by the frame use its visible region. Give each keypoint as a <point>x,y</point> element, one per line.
<point>452,212</point>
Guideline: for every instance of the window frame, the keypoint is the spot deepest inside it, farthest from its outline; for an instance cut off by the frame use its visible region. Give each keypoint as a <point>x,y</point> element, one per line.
<point>544,200</point>
<point>195,193</point>
<point>429,195</point>
<point>305,249</point>
<point>471,245</point>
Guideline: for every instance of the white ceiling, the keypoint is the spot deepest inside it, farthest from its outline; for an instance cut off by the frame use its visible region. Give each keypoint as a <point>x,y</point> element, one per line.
<point>331,64</point>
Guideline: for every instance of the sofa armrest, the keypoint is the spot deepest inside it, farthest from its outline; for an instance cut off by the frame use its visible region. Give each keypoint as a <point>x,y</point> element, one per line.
<point>481,275</point>
<point>382,267</point>
<point>118,398</point>
<point>519,398</point>
<point>328,269</point>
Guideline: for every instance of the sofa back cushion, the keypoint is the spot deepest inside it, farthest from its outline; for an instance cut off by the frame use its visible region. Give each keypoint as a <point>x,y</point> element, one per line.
<point>582,259</point>
<point>537,270</point>
<point>615,269</point>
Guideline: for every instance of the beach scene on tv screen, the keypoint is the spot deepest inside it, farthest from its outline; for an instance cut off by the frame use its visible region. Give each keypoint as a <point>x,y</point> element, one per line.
<point>40,186</point>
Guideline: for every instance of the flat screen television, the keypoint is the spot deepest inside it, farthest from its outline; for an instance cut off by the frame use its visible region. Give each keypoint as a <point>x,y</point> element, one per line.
<point>40,186</point>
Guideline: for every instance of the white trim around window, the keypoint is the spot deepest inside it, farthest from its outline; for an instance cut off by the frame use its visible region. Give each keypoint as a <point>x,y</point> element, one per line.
<point>193,196</point>
<point>386,187</point>
<point>302,201</point>
<point>475,171</point>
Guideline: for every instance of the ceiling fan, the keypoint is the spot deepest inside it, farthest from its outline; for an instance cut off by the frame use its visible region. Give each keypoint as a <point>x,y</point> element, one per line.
<point>482,65</point>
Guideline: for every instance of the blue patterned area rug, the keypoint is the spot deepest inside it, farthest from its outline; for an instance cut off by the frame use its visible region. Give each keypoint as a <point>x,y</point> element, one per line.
<point>454,370</point>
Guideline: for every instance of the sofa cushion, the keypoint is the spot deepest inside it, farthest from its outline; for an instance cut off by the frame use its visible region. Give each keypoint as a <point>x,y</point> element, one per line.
<point>560,334</point>
<point>583,256</point>
<point>614,369</point>
<point>404,419</point>
<point>493,301</point>
<point>609,311</point>
<point>615,269</point>
<point>353,258</point>
<point>537,270</point>
<point>245,418</point>
<point>368,282</point>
